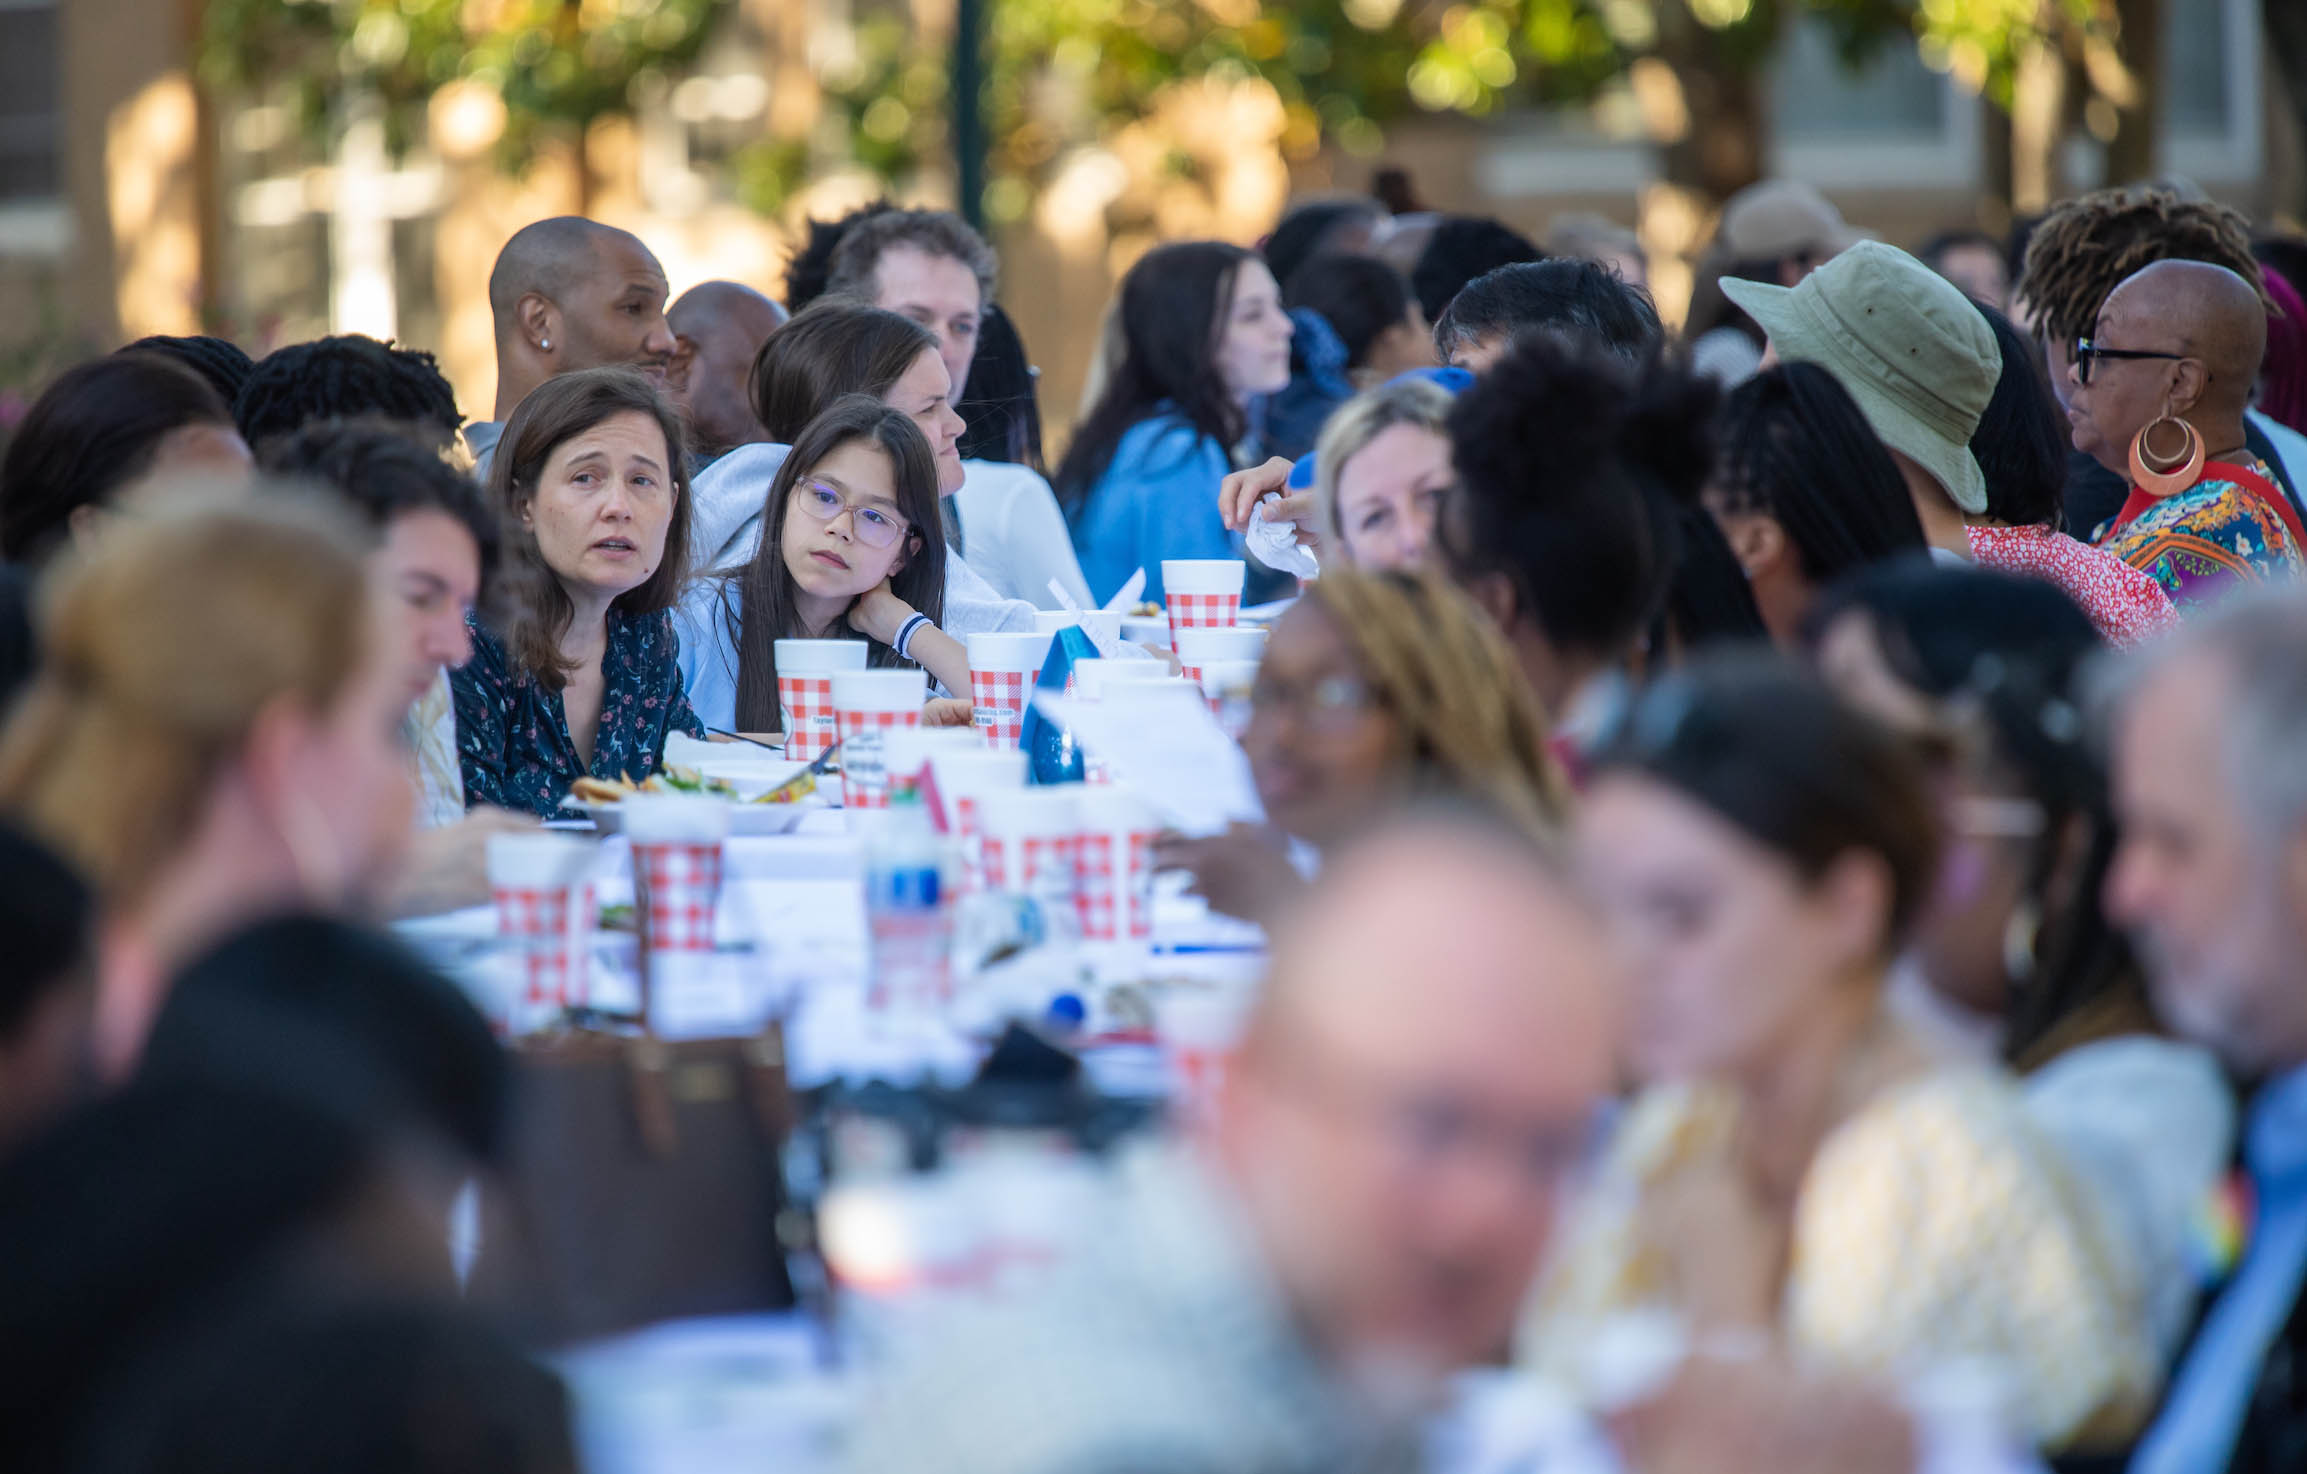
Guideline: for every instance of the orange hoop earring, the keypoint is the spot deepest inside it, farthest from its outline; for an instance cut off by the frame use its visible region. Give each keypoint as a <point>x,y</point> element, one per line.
<point>2159,476</point>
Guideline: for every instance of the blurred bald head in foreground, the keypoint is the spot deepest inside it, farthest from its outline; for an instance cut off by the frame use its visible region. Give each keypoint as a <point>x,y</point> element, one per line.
<point>720,327</point>
<point>1357,1213</point>
<point>1418,1082</point>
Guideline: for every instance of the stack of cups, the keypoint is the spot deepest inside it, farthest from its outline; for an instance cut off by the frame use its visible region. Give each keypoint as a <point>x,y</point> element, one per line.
<point>1228,684</point>
<point>1113,866</point>
<point>1200,1029</point>
<point>1202,593</point>
<point>805,691</point>
<point>1199,649</point>
<point>964,779</point>
<point>1029,839</point>
<point>867,704</point>
<point>544,897</point>
<point>907,750</point>
<point>1003,669</point>
<point>677,842</point>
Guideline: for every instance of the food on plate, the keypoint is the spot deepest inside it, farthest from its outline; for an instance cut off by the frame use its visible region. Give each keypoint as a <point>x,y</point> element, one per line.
<point>677,779</point>
<point>1146,609</point>
<point>674,779</point>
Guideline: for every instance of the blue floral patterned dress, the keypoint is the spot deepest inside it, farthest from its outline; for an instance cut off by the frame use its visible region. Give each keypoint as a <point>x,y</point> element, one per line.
<point>513,735</point>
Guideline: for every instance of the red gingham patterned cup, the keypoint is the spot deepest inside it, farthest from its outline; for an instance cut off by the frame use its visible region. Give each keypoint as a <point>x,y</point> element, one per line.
<point>1029,840</point>
<point>1199,1030</point>
<point>963,781</point>
<point>1202,593</point>
<point>545,903</point>
<point>1200,648</point>
<point>805,691</point>
<point>866,704</point>
<point>1003,669</point>
<point>1113,866</point>
<point>677,869</point>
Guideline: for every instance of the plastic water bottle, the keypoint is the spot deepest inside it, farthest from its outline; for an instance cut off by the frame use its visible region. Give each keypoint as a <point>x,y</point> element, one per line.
<point>908,911</point>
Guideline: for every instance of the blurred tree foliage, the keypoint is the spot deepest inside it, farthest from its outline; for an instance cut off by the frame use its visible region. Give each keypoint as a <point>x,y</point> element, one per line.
<point>1061,72</point>
<point>558,64</point>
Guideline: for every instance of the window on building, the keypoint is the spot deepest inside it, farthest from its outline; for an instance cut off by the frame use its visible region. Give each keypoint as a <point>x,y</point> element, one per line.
<point>31,138</point>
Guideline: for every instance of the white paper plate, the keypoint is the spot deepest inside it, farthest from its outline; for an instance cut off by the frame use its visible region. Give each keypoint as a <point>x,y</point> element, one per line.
<point>744,819</point>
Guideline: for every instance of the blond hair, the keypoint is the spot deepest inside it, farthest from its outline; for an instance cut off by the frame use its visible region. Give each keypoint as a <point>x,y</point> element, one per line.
<point>1440,666</point>
<point>157,654</point>
<point>1364,418</point>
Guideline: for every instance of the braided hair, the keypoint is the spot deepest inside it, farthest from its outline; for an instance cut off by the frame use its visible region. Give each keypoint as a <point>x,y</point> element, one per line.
<point>218,360</point>
<point>347,376</point>
<point>1796,446</point>
<point>2089,246</point>
<point>1440,666</point>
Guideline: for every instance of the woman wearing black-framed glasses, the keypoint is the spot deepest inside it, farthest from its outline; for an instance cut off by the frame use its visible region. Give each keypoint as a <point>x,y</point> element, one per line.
<point>2157,394</point>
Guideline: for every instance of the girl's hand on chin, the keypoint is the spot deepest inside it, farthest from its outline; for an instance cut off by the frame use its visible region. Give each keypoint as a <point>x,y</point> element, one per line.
<point>879,614</point>
<point>947,711</point>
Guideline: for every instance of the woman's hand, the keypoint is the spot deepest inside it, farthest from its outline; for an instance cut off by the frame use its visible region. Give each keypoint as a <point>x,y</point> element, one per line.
<point>1718,1415</point>
<point>1244,872</point>
<point>948,711</point>
<point>879,614</point>
<point>1240,493</point>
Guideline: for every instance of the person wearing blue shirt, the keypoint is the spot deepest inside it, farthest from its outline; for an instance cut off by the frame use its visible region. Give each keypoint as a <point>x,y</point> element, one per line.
<point>1201,338</point>
<point>2211,789</point>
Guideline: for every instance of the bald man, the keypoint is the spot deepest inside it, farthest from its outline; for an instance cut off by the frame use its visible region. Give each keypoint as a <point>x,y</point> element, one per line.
<point>2182,340</point>
<point>719,327</point>
<point>1358,1215</point>
<point>566,294</point>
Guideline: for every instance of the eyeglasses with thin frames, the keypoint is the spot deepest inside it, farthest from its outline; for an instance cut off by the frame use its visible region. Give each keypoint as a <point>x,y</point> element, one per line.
<point>2086,352</point>
<point>875,527</point>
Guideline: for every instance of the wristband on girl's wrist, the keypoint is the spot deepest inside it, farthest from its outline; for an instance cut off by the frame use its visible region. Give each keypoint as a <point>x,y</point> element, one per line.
<point>905,634</point>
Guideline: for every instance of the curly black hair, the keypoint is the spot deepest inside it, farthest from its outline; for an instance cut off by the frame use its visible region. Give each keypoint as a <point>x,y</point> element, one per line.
<point>1573,469</point>
<point>344,377</point>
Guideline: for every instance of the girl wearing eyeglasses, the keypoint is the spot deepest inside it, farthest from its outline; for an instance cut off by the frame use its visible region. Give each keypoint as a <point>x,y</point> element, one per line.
<point>851,547</point>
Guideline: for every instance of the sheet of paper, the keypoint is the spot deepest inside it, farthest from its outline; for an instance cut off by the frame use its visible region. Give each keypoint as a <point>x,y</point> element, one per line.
<point>1162,741</point>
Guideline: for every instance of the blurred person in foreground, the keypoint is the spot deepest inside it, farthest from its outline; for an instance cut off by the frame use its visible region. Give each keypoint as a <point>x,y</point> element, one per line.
<point>719,327</point>
<point>933,267</point>
<point>96,432</point>
<point>1923,363</point>
<point>2014,958</point>
<point>2211,881</point>
<point>47,990</point>
<point>2076,258</point>
<point>1801,1184</point>
<point>2157,392</point>
<point>212,736</point>
<point>568,294</point>
<point>1286,1286</point>
<point>1374,688</point>
<point>436,544</point>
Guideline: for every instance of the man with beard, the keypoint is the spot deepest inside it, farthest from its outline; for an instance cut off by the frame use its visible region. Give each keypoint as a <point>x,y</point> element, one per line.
<point>2211,788</point>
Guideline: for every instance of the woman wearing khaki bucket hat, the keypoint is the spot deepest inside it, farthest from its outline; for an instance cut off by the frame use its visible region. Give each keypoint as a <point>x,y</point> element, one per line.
<point>1923,363</point>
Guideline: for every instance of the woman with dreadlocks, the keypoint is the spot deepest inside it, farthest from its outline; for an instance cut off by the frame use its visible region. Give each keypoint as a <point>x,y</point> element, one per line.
<point>1375,688</point>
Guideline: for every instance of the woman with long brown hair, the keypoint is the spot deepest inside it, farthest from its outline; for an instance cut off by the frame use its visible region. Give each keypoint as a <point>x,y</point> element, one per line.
<point>578,676</point>
<point>211,736</point>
